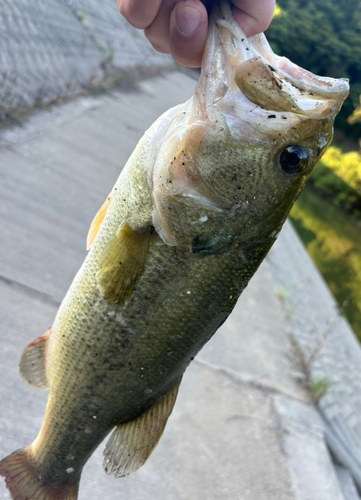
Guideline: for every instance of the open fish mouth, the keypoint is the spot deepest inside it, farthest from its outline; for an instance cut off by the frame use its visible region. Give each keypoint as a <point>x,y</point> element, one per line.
<point>249,70</point>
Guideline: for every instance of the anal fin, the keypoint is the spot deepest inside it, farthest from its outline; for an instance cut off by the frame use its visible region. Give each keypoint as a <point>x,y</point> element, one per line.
<point>131,443</point>
<point>122,262</point>
<point>32,362</point>
<point>97,222</point>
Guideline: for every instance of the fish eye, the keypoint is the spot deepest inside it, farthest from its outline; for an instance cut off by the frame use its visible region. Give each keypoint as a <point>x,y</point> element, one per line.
<point>293,159</point>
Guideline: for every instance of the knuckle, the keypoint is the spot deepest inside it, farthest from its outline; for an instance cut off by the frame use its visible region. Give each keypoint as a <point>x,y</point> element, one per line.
<point>131,13</point>
<point>263,23</point>
<point>122,9</point>
<point>187,58</point>
<point>159,43</point>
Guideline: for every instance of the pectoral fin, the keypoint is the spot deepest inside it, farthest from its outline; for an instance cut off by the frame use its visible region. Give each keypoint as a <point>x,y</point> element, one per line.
<point>122,262</point>
<point>97,222</point>
<point>32,362</point>
<point>131,444</point>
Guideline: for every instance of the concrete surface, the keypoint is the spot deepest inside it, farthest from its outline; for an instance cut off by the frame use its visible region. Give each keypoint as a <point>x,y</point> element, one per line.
<point>328,345</point>
<point>125,46</point>
<point>347,484</point>
<point>244,425</point>
<point>50,49</point>
<point>313,472</point>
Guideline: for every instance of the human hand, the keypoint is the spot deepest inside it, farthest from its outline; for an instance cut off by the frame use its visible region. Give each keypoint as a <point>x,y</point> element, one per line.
<point>180,27</point>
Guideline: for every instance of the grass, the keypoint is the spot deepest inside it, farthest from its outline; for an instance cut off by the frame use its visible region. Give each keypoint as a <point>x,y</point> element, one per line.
<point>333,239</point>
<point>290,309</point>
<point>83,15</point>
<point>319,386</point>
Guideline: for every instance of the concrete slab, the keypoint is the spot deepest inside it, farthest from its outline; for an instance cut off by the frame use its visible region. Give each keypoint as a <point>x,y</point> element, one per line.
<point>125,46</point>
<point>329,347</point>
<point>50,49</point>
<point>45,53</point>
<point>309,461</point>
<point>347,484</point>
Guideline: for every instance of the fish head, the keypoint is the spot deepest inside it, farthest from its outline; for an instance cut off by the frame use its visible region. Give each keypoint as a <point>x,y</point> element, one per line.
<point>269,121</point>
<point>257,127</point>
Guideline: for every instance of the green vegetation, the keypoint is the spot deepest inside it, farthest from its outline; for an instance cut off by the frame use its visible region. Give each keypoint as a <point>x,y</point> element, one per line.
<point>83,15</point>
<point>338,175</point>
<point>111,53</point>
<point>333,239</point>
<point>323,37</point>
<point>319,387</point>
<point>356,115</point>
<point>277,11</point>
<point>290,309</point>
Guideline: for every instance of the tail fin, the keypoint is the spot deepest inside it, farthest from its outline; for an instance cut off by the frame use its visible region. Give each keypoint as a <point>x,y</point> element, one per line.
<point>25,484</point>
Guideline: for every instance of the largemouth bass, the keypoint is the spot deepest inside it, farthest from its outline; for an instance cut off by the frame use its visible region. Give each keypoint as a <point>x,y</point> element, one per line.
<point>191,217</point>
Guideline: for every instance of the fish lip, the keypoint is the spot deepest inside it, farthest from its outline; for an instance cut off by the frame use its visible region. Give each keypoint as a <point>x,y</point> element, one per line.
<point>323,86</point>
<point>228,48</point>
<point>258,46</point>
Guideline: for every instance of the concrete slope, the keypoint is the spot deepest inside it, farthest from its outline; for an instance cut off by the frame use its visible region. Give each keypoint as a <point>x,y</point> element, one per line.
<point>50,49</point>
<point>329,347</point>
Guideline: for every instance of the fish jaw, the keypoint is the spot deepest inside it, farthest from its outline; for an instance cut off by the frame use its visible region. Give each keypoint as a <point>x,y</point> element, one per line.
<point>243,80</point>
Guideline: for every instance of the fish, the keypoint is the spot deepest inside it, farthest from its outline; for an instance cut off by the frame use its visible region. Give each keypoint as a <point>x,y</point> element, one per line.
<point>194,212</point>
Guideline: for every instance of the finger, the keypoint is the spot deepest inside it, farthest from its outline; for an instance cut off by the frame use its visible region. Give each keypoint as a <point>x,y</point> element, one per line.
<point>188,32</point>
<point>253,16</point>
<point>158,31</point>
<point>139,13</point>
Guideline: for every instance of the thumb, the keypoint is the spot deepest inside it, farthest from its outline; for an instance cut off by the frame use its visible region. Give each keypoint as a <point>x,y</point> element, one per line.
<point>188,32</point>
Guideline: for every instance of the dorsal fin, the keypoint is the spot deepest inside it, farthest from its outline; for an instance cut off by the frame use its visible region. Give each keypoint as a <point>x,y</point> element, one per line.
<point>131,443</point>
<point>97,222</point>
<point>122,262</point>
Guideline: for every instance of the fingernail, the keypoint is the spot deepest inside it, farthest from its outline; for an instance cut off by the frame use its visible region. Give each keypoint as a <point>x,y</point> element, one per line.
<point>187,19</point>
